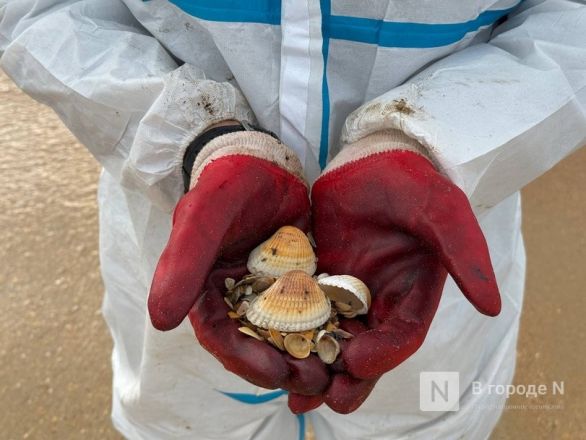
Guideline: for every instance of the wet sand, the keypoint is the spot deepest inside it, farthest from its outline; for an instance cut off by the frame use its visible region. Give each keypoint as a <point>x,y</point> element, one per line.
<point>55,348</point>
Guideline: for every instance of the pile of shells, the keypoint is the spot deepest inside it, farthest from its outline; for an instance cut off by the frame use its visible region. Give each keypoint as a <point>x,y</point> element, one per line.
<point>281,301</point>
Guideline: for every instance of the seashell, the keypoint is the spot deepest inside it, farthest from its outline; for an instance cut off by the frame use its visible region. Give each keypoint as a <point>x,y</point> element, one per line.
<point>288,249</point>
<point>264,333</point>
<point>328,349</point>
<point>294,303</point>
<point>227,301</point>
<point>297,345</point>
<point>229,283</point>
<point>277,339</point>
<point>330,326</point>
<point>242,308</point>
<point>248,291</point>
<point>349,290</point>
<point>242,283</point>
<point>311,239</point>
<point>233,315</point>
<point>342,334</point>
<point>320,334</point>
<point>250,332</point>
<point>262,283</point>
<point>235,294</point>
<point>342,307</point>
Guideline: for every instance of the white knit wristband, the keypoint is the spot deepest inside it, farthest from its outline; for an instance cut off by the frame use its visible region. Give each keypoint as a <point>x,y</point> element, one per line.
<point>248,143</point>
<point>379,142</point>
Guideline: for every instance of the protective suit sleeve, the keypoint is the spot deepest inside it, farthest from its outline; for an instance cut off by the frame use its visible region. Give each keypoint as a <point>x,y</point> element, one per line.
<point>115,87</point>
<point>496,115</point>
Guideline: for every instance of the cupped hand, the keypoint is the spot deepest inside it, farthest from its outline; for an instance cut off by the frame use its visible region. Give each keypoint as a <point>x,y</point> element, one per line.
<point>237,202</point>
<point>393,221</point>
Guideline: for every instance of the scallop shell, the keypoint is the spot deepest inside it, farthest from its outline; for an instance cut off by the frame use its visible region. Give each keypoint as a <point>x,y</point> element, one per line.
<point>294,303</point>
<point>349,290</point>
<point>328,349</point>
<point>288,249</point>
<point>297,345</point>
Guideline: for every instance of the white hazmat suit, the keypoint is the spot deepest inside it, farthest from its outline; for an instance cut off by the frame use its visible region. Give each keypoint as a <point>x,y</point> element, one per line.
<point>495,103</point>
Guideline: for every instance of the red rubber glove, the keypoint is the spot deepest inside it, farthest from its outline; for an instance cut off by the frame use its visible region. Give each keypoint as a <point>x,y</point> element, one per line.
<point>393,221</point>
<point>245,186</point>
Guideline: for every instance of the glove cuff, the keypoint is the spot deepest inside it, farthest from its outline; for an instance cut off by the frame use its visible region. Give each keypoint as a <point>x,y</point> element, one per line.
<point>248,143</point>
<point>376,143</point>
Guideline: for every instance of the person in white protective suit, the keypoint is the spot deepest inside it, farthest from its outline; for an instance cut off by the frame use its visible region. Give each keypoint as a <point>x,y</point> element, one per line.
<point>483,95</point>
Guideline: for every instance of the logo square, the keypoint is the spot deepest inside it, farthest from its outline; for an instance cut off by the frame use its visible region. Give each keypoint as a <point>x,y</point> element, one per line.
<point>439,391</point>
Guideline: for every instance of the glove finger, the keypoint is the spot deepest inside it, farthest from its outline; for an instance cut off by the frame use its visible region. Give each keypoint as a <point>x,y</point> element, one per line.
<point>299,404</point>
<point>440,213</point>
<point>238,200</point>
<point>253,360</point>
<point>345,394</point>
<point>308,376</point>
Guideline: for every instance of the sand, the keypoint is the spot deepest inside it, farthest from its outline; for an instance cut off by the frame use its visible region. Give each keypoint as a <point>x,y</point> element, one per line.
<point>55,348</point>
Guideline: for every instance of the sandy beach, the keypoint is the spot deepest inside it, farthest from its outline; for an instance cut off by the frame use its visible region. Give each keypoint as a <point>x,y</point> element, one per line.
<point>55,347</point>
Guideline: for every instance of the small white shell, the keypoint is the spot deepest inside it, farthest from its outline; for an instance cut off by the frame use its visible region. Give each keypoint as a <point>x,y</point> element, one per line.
<point>286,250</point>
<point>320,334</point>
<point>229,283</point>
<point>328,349</point>
<point>349,290</point>
<point>242,308</point>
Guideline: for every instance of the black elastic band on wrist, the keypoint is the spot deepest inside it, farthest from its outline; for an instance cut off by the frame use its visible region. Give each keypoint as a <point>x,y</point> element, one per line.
<point>199,142</point>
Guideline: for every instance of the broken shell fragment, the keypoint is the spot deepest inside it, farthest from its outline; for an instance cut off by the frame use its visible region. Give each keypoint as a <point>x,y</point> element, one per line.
<point>250,332</point>
<point>342,334</point>
<point>264,333</point>
<point>288,249</point>
<point>227,301</point>
<point>348,291</point>
<point>242,308</point>
<point>233,315</point>
<point>328,349</point>
<point>297,345</point>
<point>294,303</point>
<point>277,339</point>
<point>230,283</point>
